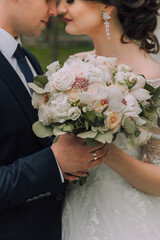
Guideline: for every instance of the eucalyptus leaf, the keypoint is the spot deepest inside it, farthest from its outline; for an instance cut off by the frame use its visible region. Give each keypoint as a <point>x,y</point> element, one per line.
<point>129,125</point>
<point>42,131</point>
<point>40,81</point>
<point>104,137</point>
<point>68,128</point>
<point>57,131</point>
<point>36,89</point>
<point>91,142</point>
<point>87,134</point>
<point>55,139</point>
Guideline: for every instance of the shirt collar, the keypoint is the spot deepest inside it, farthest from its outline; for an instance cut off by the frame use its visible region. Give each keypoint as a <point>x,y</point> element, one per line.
<point>8,43</point>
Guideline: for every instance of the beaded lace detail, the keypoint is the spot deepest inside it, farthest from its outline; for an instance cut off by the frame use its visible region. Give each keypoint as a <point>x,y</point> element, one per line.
<point>108,208</point>
<point>153,146</point>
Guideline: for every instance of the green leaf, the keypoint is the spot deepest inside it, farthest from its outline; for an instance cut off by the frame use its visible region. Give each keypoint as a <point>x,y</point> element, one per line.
<point>57,131</point>
<point>100,117</point>
<point>148,87</point>
<point>137,133</point>
<point>86,124</point>
<point>40,81</point>
<point>42,131</point>
<point>55,139</point>
<point>129,125</point>
<point>91,116</point>
<point>36,89</point>
<point>68,128</point>
<point>104,137</point>
<point>87,134</point>
<point>91,142</point>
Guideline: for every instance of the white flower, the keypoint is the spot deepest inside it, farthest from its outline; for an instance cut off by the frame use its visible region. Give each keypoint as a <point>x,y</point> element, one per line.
<point>44,115</point>
<point>59,107</point>
<point>144,136</point>
<point>39,99</point>
<point>63,79</point>
<point>95,75</point>
<point>74,113</point>
<point>52,68</point>
<point>49,87</point>
<point>107,62</point>
<point>132,108</point>
<point>140,82</point>
<point>123,68</point>
<point>141,94</point>
<point>116,106</point>
<point>94,93</point>
<point>114,92</point>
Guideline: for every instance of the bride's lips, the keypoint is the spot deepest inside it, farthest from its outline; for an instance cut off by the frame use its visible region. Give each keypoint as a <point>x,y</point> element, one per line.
<point>67,20</point>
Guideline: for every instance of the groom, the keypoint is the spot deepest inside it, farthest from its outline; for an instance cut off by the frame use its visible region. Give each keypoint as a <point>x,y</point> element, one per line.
<point>32,171</point>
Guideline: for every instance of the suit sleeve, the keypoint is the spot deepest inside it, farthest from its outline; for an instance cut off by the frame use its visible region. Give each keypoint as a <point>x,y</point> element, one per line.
<point>28,177</point>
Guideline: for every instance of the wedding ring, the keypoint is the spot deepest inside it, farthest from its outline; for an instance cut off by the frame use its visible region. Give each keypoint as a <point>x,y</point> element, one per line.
<point>94,156</point>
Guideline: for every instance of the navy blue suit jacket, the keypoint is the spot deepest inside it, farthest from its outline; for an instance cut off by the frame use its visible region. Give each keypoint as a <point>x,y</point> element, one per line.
<point>31,191</point>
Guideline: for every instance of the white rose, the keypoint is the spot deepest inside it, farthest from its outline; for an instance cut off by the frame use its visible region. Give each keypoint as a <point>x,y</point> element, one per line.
<point>72,60</point>
<point>121,77</point>
<point>79,70</point>
<point>124,68</point>
<point>52,68</point>
<point>49,87</point>
<point>96,75</point>
<point>74,113</point>
<point>59,108</point>
<point>109,63</point>
<point>63,79</point>
<point>44,115</point>
<point>39,99</point>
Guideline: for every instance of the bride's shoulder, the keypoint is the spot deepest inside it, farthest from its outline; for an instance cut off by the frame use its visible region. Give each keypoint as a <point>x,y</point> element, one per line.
<point>83,55</point>
<point>152,69</point>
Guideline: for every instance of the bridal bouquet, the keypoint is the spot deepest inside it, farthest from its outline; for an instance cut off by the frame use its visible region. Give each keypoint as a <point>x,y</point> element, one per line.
<point>95,99</point>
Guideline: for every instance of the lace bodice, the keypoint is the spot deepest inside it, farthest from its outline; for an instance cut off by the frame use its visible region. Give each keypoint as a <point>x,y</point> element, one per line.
<point>152,149</point>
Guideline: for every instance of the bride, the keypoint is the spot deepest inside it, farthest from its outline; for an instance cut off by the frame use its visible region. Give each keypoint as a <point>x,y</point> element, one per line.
<point>121,199</point>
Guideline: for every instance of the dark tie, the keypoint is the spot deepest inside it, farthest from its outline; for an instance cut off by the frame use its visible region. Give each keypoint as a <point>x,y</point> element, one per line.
<point>22,63</point>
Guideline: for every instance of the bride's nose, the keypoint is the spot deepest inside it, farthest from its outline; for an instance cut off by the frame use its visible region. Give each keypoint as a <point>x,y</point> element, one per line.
<point>62,7</point>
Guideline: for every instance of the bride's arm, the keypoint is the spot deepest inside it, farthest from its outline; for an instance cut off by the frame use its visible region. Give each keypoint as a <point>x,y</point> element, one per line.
<point>141,175</point>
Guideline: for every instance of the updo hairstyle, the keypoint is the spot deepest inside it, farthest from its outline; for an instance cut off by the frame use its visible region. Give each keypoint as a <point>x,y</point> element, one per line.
<point>139,21</point>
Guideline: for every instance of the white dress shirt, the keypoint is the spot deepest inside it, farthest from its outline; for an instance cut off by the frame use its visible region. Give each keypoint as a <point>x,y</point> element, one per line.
<point>8,45</point>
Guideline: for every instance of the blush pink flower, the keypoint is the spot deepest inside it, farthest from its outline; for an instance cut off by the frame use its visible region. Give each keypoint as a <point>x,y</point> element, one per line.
<point>81,82</point>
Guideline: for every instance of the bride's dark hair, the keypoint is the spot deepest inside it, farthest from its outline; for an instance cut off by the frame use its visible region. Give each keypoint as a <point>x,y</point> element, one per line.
<point>139,20</point>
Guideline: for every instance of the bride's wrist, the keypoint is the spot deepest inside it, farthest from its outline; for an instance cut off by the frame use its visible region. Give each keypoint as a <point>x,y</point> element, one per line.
<point>110,154</point>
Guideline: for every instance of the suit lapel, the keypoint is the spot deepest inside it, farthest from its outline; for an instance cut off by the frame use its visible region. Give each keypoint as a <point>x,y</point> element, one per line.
<point>19,91</point>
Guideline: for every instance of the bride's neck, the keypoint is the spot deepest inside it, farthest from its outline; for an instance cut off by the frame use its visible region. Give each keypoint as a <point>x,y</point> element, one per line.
<point>114,48</point>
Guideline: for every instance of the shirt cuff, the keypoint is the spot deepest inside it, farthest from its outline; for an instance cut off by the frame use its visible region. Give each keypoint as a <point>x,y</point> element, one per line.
<point>62,178</point>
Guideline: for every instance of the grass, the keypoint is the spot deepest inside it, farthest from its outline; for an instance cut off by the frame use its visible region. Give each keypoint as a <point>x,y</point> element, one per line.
<point>44,54</point>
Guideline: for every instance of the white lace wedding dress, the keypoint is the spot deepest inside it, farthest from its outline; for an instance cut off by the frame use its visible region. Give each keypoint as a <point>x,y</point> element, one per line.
<point>108,208</point>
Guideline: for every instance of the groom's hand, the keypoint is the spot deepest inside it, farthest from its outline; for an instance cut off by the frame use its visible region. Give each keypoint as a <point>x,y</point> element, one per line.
<point>75,157</point>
